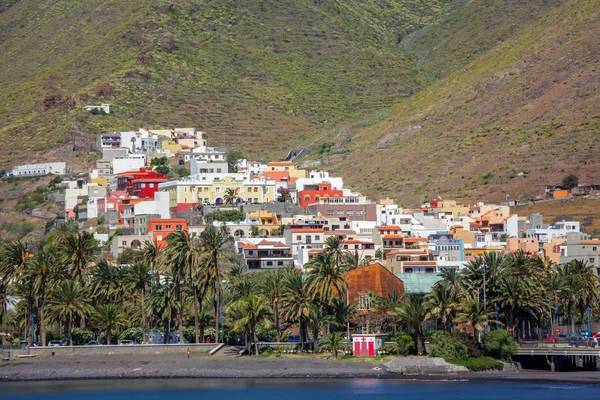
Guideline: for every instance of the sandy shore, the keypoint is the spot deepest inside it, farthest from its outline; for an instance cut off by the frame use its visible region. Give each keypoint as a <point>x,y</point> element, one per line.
<point>200,366</point>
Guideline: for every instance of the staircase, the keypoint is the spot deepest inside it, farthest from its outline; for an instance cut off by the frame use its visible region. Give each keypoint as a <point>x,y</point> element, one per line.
<point>230,351</point>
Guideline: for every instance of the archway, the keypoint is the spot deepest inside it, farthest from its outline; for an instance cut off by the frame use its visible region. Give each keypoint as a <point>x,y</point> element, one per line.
<point>239,233</point>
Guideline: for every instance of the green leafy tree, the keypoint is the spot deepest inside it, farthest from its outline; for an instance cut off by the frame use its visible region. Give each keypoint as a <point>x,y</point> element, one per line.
<point>570,181</point>
<point>499,344</point>
<point>160,165</point>
<point>413,313</point>
<point>233,157</point>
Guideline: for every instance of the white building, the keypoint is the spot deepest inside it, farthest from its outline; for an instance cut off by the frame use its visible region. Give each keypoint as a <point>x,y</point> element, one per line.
<point>556,231</point>
<point>132,163</point>
<point>56,168</point>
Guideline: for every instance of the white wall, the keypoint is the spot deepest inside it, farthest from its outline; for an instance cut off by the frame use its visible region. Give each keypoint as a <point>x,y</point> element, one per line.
<point>128,164</point>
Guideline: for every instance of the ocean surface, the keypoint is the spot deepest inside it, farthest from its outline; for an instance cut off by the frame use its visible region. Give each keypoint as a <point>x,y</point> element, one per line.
<point>359,389</point>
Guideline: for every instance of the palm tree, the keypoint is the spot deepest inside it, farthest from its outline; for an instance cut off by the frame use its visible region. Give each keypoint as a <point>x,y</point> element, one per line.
<point>213,242</point>
<point>317,318</point>
<point>342,312</point>
<point>412,313</point>
<point>14,260</point>
<point>333,342</point>
<point>137,279</point>
<point>443,304</point>
<point>105,281</point>
<point>68,301</point>
<point>272,286</point>
<point>472,313</point>
<point>231,195</point>
<point>327,277</point>
<point>109,316</point>
<point>44,269</point>
<point>295,300</point>
<point>251,312</point>
<point>180,255</point>
<point>78,251</point>
<point>162,303</point>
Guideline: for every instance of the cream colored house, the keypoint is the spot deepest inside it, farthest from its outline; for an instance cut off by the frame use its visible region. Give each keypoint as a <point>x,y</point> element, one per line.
<point>211,188</point>
<point>286,166</point>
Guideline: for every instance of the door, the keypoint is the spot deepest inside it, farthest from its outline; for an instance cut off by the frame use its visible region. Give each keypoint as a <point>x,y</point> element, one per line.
<point>371,348</point>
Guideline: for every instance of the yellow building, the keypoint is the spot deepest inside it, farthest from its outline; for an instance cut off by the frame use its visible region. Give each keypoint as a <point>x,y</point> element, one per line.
<point>173,147</point>
<point>211,189</point>
<point>264,220</point>
<point>286,166</point>
<point>450,206</point>
<point>100,181</point>
<point>479,252</point>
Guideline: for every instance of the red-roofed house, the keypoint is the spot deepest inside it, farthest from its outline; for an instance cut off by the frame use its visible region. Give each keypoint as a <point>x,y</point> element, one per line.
<point>142,183</point>
<point>258,254</point>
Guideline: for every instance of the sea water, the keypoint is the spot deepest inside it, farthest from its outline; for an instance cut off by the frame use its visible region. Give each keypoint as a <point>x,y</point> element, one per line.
<point>359,389</point>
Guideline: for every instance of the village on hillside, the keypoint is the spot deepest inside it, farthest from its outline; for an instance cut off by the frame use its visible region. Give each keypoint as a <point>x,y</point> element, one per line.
<point>281,215</point>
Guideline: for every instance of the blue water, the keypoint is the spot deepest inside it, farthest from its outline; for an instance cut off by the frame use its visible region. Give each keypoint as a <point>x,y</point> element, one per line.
<point>305,390</point>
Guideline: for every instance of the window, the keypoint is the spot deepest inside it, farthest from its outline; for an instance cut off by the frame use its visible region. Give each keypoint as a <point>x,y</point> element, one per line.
<point>269,263</point>
<point>158,228</point>
<point>591,260</point>
<point>330,213</point>
<point>255,190</point>
<point>317,237</point>
<point>299,237</point>
<point>218,189</point>
<point>185,190</point>
<point>151,185</point>
<point>178,227</point>
<point>143,185</point>
<point>350,213</point>
<point>124,243</point>
<point>279,263</point>
<point>206,190</point>
<point>218,170</point>
<point>340,212</point>
<point>594,248</point>
<point>167,227</point>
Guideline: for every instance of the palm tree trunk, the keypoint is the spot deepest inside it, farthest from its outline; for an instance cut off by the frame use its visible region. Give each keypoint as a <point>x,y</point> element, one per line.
<point>144,322</point>
<point>180,322</point>
<point>301,331</point>
<point>316,340</point>
<point>196,313</point>
<point>255,339</point>
<point>42,323</point>
<point>68,331</point>
<point>108,335</point>
<point>217,308</point>
<point>277,329</point>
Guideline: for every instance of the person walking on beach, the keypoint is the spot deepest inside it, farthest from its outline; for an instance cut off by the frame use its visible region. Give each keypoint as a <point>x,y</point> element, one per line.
<point>188,352</point>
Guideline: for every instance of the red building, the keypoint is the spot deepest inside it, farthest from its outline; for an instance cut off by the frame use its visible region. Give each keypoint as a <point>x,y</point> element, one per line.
<point>161,228</point>
<point>312,193</point>
<point>142,184</point>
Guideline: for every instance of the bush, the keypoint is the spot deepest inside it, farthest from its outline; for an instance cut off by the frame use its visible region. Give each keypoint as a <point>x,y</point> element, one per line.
<point>499,344</point>
<point>444,346</point>
<point>136,334</point>
<point>473,346</point>
<point>401,345</point>
<point>81,336</point>
<point>478,363</point>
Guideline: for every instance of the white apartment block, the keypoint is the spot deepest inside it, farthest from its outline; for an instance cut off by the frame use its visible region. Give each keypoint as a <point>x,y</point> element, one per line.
<point>56,168</point>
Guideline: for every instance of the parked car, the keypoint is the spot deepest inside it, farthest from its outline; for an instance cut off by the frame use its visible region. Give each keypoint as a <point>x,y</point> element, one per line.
<point>294,338</point>
<point>93,343</point>
<point>126,342</point>
<point>583,341</point>
<point>552,339</point>
<point>54,343</point>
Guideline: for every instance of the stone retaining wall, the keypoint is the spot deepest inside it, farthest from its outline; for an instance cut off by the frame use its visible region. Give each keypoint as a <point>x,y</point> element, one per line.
<point>63,351</point>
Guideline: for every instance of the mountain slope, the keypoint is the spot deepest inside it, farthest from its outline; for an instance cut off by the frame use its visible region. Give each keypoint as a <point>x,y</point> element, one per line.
<point>523,114</point>
<point>259,74</point>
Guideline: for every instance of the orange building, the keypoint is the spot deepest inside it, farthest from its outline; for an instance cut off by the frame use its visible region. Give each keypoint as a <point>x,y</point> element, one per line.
<point>161,228</point>
<point>373,278</point>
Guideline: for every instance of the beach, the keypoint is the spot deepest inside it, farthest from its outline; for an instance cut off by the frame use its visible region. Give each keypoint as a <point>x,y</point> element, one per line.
<point>178,366</point>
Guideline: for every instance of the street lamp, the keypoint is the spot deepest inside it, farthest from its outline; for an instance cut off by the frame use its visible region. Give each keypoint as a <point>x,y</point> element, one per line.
<point>556,314</point>
<point>484,266</point>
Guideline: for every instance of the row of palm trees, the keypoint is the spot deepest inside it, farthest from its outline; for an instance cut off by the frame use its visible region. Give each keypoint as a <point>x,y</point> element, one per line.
<point>193,280</point>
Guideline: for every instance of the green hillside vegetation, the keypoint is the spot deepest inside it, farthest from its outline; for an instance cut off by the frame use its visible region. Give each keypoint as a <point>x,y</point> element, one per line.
<point>521,115</point>
<point>256,74</point>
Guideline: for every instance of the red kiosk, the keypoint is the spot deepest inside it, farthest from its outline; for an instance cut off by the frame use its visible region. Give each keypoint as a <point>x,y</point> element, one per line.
<point>366,345</point>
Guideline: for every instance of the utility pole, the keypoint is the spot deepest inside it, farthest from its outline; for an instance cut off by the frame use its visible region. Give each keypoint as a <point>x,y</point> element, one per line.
<point>484,292</point>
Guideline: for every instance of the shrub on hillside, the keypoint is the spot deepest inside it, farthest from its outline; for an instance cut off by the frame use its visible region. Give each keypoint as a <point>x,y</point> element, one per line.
<point>446,347</point>
<point>499,344</point>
